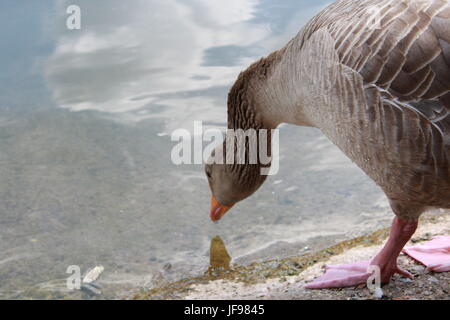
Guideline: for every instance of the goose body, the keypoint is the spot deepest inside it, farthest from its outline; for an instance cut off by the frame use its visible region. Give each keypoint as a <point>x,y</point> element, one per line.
<point>378,85</point>
<point>374,77</point>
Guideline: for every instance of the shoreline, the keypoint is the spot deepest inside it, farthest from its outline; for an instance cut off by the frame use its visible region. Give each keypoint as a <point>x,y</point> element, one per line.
<point>285,278</point>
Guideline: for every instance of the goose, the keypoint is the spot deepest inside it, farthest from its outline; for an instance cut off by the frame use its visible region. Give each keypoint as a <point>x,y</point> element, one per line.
<point>374,77</point>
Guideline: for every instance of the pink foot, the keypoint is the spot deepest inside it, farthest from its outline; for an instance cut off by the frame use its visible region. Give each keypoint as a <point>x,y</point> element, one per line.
<point>434,254</point>
<point>349,275</point>
<point>343,275</point>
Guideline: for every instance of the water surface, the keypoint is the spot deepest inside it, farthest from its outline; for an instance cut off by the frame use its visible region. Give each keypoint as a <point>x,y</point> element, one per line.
<point>85,121</point>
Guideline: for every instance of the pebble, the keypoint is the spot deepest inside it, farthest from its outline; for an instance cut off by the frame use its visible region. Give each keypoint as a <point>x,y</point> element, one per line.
<point>291,272</point>
<point>378,293</point>
<point>417,269</point>
<point>167,267</point>
<point>433,279</point>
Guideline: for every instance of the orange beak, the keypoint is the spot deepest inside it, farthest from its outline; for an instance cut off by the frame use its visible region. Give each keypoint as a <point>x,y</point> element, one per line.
<point>217,210</point>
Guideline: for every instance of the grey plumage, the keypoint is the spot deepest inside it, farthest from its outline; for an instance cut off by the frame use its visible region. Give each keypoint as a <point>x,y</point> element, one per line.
<point>374,76</point>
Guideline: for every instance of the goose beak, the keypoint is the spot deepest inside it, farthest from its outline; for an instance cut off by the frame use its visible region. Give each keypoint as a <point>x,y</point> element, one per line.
<point>217,210</point>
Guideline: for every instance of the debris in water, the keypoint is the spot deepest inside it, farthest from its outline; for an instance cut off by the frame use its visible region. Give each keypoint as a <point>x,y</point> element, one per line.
<point>167,267</point>
<point>93,274</point>
<point>88,284</point>
<point>91,289</point>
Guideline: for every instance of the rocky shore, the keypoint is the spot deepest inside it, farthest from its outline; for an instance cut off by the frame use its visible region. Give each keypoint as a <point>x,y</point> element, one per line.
<point>285,278</point>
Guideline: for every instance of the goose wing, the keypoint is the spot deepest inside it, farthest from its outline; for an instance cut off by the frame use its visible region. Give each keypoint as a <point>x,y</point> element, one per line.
<point>401,47</point>
<point>385,81</point>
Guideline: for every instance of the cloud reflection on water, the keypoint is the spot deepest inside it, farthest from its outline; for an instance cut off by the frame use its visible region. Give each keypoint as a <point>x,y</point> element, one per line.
<point>182,55</point>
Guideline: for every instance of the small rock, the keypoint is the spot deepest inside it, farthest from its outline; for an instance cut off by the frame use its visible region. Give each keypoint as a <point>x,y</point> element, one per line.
<point>378,293</point>
<point>167,267</point>
<point>433,280</point>
<point>417,269</point>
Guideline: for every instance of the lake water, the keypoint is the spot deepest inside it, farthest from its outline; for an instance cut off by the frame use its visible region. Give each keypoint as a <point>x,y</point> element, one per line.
<point>86,115</point>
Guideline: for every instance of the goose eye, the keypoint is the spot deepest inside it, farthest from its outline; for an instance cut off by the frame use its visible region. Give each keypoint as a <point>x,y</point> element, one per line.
<point>208,173</point>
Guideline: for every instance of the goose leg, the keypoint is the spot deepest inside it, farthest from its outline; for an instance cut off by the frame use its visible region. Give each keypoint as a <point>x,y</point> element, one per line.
<point>338,276</point>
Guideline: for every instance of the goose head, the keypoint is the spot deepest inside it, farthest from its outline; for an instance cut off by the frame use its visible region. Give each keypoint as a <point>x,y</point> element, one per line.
<point>230,184</point>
